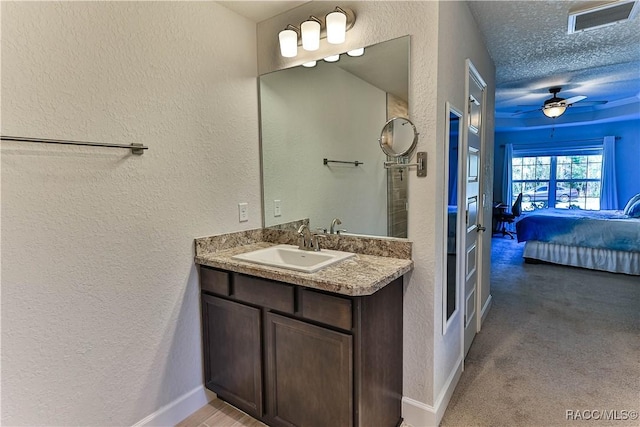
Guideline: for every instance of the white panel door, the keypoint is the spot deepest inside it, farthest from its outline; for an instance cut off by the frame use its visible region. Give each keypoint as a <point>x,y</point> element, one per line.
<point>473,171</point>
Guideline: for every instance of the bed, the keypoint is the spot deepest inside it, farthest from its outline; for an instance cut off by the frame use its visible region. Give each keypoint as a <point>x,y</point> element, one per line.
<point>599,240</point>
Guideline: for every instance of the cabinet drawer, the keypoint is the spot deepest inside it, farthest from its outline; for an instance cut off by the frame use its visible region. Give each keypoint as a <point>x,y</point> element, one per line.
<point>214,280</point>
<point>329,309</point>
<point>265,293</point>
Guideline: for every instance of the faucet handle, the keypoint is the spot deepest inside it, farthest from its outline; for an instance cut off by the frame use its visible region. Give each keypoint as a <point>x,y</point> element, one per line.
<point>322,230</point>
<point>342,230</point>
<point>315,242</point>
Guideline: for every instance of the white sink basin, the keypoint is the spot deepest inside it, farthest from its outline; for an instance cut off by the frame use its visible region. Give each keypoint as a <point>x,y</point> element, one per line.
<point>292,258</point>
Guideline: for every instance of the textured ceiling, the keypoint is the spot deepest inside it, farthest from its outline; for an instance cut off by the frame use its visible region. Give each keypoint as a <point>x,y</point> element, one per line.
<point>532,51</point>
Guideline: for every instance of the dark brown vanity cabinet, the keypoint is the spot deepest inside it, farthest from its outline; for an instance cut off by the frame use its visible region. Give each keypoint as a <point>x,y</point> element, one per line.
<point>294,356</point>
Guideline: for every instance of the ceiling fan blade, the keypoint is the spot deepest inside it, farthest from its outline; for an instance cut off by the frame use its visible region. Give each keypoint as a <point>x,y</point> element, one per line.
<point>574,99</point>
<point>517,113</point>
<point>591,103</point>
<point>587,104</point>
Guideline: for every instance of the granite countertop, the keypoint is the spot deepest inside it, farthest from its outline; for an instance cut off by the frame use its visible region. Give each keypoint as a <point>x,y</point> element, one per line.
<point>356,276</point>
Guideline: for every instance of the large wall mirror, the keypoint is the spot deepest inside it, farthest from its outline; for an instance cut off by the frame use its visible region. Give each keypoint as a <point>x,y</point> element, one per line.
<point>451,289</point>
<point>319,138</point>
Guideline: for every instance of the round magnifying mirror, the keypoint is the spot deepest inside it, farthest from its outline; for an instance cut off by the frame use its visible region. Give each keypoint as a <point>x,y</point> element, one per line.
<point>399,137</point>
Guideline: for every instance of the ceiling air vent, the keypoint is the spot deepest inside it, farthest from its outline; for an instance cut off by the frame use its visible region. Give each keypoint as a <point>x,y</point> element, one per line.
<point>602,15</point>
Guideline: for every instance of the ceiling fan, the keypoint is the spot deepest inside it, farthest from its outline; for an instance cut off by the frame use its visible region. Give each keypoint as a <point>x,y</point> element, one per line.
<point>556,106</point>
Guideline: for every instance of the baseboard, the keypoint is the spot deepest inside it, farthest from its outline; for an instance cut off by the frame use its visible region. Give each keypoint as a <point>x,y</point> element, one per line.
<point>447,391</point>
<point>418,414</point>
<point>485,309</point>
<point>176,411</point>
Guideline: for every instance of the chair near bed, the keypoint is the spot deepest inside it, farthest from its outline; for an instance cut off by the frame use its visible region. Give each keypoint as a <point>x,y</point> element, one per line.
<point>504,218</point>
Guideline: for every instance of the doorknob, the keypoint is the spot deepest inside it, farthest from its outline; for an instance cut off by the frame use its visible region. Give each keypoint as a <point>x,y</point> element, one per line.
<point>481,228</point>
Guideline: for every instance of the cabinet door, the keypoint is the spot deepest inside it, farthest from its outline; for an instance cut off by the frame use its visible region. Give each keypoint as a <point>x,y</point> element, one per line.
<point>232,355</point>
<point>309,371</point>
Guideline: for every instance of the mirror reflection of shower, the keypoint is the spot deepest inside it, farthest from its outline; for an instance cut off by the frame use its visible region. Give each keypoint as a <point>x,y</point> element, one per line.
<point>397,185</point>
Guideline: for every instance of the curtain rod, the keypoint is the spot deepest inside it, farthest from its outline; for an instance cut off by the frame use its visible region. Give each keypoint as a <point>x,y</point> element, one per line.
<point>570,140</point>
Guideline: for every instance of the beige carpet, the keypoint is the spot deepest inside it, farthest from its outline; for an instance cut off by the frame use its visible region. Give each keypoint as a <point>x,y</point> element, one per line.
<point>560,346</point>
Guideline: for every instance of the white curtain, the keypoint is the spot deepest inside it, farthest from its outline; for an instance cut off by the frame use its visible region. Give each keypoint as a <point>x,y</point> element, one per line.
<point>608,191</point>
<point>507,196</point>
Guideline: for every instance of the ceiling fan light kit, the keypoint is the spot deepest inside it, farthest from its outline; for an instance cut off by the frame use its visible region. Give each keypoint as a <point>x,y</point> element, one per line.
<point>554,110</point>
<point>554,106</point>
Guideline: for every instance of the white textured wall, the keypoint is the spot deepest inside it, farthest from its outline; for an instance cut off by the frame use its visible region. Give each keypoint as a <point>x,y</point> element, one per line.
<point>100,312</point>
<point>459,38</point>
<point>309,114</point>
<point>377,22</point>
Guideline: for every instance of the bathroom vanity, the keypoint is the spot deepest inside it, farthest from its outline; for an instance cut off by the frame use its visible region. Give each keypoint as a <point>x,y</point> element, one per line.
<point>298,349</point>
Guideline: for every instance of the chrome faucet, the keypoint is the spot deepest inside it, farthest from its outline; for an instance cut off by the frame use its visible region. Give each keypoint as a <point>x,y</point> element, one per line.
<point>332,229</point>
<point>306,240</point>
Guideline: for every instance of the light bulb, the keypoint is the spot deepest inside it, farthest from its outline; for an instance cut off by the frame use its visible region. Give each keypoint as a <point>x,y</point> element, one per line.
<point>310,35</point>
<point>309,64</point>
<point>332,58</point>
<point>336,27</point>
<point>356,52</point>
<point>288,43</point>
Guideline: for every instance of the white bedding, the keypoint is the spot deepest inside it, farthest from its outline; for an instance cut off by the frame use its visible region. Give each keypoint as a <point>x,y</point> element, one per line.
<point>592,258</point>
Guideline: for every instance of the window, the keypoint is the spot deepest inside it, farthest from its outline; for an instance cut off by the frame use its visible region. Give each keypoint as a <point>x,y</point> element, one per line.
<point>576,178</point>
<point>581,176</point>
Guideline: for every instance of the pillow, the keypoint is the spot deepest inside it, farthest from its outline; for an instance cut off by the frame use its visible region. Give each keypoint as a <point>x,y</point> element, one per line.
<point>634,211</point>
<point>630,203</point>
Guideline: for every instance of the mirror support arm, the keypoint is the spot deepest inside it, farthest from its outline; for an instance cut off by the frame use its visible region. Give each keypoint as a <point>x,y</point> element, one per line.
<point>421,164</point>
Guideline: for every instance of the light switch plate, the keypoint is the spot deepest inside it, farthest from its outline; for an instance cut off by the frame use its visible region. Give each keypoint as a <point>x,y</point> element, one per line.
<point>277,208</point>
<point>243,211</point>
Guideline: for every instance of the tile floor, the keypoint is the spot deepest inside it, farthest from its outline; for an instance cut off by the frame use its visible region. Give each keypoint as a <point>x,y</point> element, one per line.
<point>219,414</point>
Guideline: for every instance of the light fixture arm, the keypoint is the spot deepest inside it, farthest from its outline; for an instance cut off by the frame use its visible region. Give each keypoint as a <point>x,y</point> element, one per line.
<point>351,16</point>
<point>294,28</point>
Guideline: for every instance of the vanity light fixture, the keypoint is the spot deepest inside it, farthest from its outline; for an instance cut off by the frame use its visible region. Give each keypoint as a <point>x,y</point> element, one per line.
<point>310,30</point>
<point>309,64</point>
<point>334,27</point>
<point>332,58</point>
<point>356,52</point>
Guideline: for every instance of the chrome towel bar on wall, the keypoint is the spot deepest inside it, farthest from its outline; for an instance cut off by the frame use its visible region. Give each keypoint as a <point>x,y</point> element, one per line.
<point>355,163</point>
<point>135,148</point>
